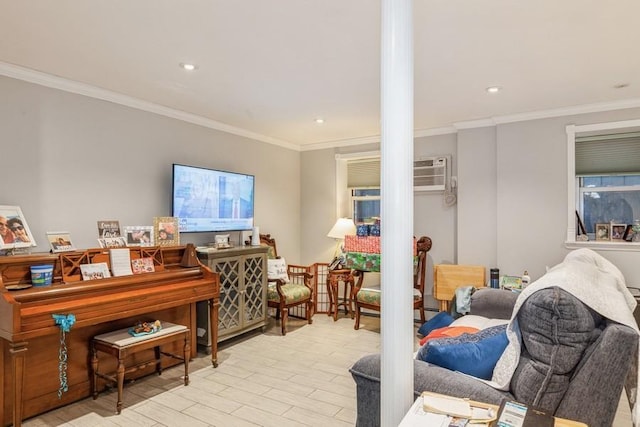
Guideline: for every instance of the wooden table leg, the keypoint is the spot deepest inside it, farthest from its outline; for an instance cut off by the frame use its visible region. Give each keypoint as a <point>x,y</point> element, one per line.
<point>120,377</point>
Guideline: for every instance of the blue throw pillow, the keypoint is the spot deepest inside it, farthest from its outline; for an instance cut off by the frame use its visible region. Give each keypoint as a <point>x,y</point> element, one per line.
<point>440,320</point>
<point>473,354</point>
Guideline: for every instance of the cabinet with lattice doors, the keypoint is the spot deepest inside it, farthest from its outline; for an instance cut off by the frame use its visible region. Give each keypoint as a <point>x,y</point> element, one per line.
<point>243,291</point>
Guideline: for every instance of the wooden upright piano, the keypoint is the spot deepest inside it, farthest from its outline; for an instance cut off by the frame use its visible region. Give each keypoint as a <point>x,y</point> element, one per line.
<point>31,339</point>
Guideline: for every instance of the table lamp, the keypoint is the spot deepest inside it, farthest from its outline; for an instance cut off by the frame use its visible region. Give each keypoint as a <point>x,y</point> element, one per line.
<point>342,227</point>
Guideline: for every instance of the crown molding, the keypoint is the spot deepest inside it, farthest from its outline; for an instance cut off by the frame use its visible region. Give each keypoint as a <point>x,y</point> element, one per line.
<point>55,82</point>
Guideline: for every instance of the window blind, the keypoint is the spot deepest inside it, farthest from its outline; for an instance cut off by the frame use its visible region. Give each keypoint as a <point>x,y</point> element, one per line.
<point>607,154</point>
<point>363,173</point>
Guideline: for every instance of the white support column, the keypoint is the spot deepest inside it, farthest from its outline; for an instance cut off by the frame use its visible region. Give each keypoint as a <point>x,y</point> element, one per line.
<point>396,210</point>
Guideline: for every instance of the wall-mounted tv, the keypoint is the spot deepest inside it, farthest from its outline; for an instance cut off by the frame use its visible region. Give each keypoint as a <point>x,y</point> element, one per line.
<point>208,200</point>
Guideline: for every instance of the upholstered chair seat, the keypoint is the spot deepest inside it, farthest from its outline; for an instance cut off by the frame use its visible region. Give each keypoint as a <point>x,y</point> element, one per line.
<point>370,298</point>
<point>293,293</point>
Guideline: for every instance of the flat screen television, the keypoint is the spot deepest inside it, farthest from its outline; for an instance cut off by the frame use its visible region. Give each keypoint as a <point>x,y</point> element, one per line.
<point>208,200</point>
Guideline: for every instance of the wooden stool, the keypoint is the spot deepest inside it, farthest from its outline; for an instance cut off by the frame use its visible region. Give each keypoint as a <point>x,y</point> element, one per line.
<point>122,344</point>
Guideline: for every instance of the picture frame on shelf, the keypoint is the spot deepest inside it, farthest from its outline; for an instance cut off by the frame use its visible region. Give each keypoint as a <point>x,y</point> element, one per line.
<point>14,230</point>
<point>60,241</point>
<point>618,231</point>
<point>108,228</point>
<point>165,231</point>
<point>603,232</point>
<point>628,233</point>
<point>139,235</point>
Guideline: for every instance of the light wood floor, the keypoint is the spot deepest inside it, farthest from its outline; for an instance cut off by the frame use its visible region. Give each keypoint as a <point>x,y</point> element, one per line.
<point>301,379</point>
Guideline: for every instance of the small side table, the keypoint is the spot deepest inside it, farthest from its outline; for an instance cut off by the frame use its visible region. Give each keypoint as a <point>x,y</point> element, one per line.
<point>333,283</point>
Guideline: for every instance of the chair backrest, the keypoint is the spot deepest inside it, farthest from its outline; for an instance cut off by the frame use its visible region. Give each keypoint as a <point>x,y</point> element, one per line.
<point>419,278</point>
<point>448,277</point>
<point>266,240</point>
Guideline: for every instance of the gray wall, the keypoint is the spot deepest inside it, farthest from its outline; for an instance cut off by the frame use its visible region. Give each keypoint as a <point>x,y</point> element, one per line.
<point>512,197</point>
<point>69,161</point>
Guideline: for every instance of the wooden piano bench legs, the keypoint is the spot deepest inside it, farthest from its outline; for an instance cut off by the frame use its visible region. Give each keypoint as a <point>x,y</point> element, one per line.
<point>121,344</point>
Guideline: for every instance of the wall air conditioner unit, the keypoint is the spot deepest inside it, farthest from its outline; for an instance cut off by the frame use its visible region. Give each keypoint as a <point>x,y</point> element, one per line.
<point>430,174</point>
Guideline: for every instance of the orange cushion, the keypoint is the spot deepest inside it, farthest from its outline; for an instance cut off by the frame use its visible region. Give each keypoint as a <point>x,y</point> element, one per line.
<point>448,332</point>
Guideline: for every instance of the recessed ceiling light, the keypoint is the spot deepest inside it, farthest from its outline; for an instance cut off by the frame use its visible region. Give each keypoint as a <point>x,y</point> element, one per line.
<point>188,67</point>
<point>319,120</point>
<point>494,89</point>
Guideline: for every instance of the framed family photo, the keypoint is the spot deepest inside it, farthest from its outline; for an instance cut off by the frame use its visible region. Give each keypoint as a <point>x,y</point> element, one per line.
<point>165,230</point>
<point>60,241</point>
<point>603,231</point>
<point>14,231</point>
<point>618,231</point>
<point>139,235</point>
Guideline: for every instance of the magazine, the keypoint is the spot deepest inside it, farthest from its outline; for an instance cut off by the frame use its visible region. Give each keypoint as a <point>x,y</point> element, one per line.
<point>98,270</point>
<point>142,265</point>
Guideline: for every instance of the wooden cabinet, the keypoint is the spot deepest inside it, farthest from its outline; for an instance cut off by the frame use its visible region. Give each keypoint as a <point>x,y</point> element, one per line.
<point>243,291</point>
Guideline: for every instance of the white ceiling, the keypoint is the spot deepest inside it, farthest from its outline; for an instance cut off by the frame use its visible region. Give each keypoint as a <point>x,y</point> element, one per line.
<point>269,68</point>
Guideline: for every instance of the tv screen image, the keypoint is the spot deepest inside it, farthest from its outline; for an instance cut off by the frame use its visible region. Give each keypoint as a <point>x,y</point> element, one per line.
<point>208,200</point>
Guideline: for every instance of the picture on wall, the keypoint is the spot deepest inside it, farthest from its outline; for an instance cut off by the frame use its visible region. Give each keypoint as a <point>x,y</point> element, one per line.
<point>166,231</point>
<point>14,231</point>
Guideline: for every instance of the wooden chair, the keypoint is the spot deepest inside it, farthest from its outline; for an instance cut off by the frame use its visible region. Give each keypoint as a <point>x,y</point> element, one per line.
<point>448,277</point>
<point>371,298</point>
<point>282,295</point>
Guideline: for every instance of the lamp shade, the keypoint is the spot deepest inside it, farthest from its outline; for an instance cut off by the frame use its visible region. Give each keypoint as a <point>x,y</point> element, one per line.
<point>341,228</point>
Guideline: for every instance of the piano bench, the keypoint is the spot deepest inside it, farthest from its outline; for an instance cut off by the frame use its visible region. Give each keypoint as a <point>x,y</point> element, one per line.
<point>122,344</point>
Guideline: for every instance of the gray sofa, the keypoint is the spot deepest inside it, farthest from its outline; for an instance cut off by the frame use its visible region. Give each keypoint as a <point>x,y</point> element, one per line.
<point>573,363</point>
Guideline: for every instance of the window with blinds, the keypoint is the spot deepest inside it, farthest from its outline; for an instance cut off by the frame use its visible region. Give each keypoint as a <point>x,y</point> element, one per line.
<point>363,182</point>
<point>608,179</point>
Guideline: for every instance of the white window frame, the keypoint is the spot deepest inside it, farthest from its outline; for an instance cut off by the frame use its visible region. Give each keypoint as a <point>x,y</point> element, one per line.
<point>354,199</point>
<point>572,182</point>
<point>344,202</point>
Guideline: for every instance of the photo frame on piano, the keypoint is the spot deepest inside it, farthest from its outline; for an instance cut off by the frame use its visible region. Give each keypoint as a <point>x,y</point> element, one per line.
<point>14,230</point>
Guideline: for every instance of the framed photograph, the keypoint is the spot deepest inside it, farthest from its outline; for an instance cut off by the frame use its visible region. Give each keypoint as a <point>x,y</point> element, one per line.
<point>14,231</point>
<point>628,233</point>
<point>60,241</point>
<point>617,231</point>
<point>139,235</point>
<point>108,228</point>
<point>603,232</point>
<point>165,231</point>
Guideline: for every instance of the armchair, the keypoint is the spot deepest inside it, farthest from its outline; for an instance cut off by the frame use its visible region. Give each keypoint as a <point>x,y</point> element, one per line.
<point>577,372</point>
<point>371,298</point>
<point>290,289</point>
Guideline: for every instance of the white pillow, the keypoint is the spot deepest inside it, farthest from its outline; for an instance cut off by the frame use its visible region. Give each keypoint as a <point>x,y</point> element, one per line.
<point>277,269</point>
<point>478,322</point>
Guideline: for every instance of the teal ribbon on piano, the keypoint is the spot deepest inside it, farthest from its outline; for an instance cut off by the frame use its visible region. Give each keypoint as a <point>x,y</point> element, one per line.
<point>65,321</point>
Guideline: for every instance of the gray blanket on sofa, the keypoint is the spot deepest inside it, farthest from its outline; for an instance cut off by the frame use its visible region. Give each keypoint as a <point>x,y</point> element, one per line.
<point>598,284</point>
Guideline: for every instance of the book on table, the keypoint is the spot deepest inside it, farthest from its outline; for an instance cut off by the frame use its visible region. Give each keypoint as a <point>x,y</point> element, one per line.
<point>458,407</point>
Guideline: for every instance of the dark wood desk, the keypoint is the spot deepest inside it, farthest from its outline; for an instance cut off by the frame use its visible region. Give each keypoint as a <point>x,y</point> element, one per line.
<point>334,277</point>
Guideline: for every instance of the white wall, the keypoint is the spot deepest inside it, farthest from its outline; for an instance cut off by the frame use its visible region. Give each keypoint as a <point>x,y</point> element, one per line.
<point>69,161</point>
